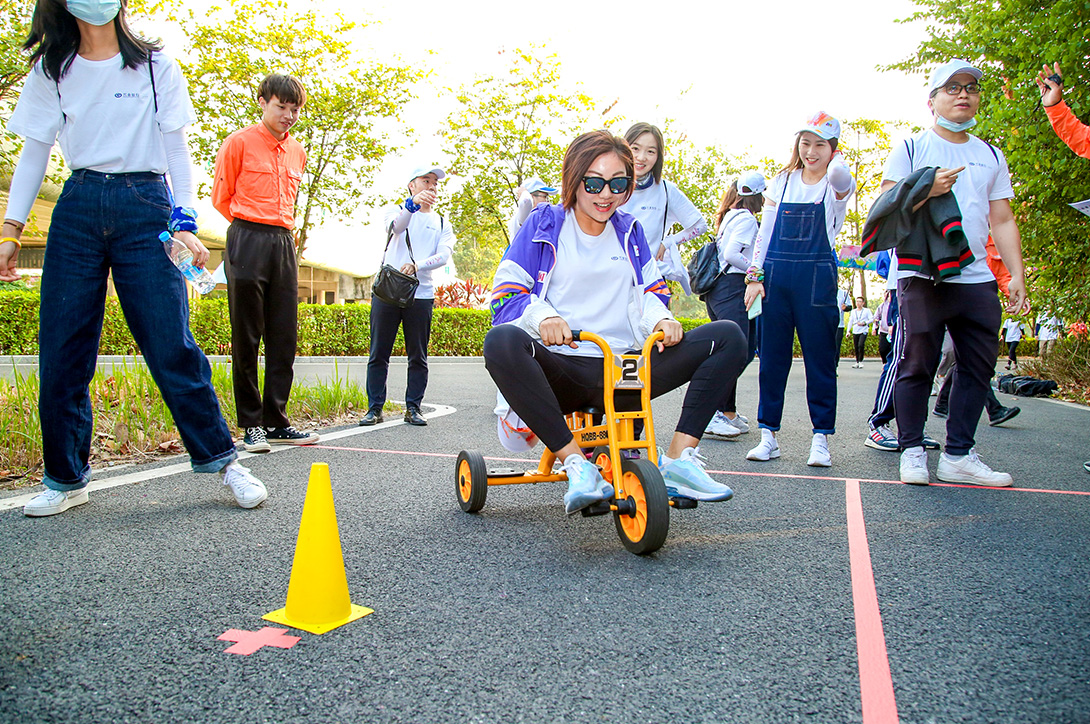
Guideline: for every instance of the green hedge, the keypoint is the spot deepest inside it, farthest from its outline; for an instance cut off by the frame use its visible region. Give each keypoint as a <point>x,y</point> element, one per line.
<point>324,330</point>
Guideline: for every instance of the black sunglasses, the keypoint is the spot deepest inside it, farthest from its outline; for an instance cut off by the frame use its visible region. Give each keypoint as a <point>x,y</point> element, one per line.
<point>595,184</point>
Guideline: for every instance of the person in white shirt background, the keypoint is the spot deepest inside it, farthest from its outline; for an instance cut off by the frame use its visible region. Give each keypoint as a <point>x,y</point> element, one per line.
<point>735,238</point>
<point>860,320</point>
<point>660,205</point>
<point>1012,334</point>
<point>795,266</point>
<point>531,194</point>
<point>421,242</point>
<point>1048,331</point>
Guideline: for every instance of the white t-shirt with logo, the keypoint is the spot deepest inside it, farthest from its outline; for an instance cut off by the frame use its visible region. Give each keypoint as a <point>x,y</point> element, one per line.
<point>985,179</point>
<point>433,241</point>
<point>590,286</point>
<point>658,207</point>
<point>104,115</point>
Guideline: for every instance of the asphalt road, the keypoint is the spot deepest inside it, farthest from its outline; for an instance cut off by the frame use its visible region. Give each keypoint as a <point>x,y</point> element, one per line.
<point>749,613</point>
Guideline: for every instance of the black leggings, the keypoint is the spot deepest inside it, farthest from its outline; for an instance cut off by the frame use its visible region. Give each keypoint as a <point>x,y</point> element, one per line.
<point>542,386</point>
<point>860,346</point>
<point>1012,351</point>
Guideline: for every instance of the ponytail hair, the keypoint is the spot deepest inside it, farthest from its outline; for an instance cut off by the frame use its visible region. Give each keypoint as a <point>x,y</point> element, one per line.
<point>54,39</point>
<point>733,200</point>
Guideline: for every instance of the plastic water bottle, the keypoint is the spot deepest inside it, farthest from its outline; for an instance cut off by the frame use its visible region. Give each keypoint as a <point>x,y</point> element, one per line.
<point>182,257</point>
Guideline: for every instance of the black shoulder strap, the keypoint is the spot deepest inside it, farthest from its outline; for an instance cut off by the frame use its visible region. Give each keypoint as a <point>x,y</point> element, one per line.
<point>389,238</point>
<point>666,211</point>
<point>151,72</point>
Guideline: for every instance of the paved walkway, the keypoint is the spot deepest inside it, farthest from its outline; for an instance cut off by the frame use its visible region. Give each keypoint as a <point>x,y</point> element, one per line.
<point>815,595</point>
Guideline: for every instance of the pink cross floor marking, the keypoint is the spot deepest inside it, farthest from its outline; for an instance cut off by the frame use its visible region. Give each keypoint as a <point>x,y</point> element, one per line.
<point>248,642</point>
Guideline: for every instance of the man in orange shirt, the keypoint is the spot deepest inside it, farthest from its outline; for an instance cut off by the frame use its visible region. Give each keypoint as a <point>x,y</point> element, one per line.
<point>257,176</point>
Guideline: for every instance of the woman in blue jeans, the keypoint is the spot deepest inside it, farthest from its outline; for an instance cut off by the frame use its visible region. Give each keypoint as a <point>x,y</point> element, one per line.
<point>119,107</point>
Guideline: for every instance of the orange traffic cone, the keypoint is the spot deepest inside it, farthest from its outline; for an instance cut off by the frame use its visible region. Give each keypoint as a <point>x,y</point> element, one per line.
<point>318,589</point>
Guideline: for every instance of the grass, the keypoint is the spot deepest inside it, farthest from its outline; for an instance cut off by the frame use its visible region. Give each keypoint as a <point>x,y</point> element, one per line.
<point>132,422</point>
<point>1069,366</point>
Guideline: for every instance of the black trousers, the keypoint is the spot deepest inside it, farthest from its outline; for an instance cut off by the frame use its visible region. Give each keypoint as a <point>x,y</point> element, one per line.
<point>860,346</point>
<point>972,314</point>
<point>991,402</point>
<point>1012,351</point>
<point>263,300</point>
<point>884,347</point>
<point>542,386</point>
<point>727,300</point>
<point>415,321</point>
<point>839,342</point>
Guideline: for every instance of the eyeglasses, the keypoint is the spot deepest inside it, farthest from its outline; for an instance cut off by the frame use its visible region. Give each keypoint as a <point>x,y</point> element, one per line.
<point>595,184</point>
<point>953,89</point>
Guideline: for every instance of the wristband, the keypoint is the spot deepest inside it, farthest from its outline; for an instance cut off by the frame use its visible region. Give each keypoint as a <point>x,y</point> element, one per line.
<point>411,206</point>
<point>13,240</point>
<point>755,275</point>
<point>183,218</point>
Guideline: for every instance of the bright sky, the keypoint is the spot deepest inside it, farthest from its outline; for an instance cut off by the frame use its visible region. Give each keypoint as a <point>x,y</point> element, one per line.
<point>740,76</point>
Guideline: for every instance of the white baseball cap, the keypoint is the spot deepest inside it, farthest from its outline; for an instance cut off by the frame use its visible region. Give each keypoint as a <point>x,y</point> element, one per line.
<point>823,125</point>
<point>419,171</point>
<point>752,180</point>
<point>513,433</point>
<point>535,185</point>
<point>942,75</point>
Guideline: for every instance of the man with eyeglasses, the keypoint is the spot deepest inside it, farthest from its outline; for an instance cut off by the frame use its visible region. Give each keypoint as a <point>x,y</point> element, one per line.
<point>967,304</point>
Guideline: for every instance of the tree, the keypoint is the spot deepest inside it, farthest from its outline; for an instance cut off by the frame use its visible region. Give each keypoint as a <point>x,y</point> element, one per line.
<point>231,48</point>
<point>1009,41</point>
<point>866,144</point>
<point>502,135</point>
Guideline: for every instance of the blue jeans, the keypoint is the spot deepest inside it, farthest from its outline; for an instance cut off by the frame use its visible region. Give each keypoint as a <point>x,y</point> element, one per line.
<point>104,223</point>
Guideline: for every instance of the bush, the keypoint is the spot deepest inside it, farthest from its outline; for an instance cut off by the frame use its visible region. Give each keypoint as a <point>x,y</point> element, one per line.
<point>1069,365</point>
<point>324,329</point>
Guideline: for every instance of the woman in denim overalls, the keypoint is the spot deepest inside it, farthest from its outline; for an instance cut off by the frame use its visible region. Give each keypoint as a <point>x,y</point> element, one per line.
<point>795,272</point>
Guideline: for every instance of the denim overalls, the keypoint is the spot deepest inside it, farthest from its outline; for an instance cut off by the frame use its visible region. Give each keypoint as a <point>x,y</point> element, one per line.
<point>800,289</point>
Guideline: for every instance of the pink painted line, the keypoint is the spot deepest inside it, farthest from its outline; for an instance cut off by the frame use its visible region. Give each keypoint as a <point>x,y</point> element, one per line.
<point>875,681</point>
<point>533,461</point>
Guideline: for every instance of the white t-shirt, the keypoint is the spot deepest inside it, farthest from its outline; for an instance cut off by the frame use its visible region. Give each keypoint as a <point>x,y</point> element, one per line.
<point>843,299</point>
<point>735,238</point>
<point>433,241</point>
<point>590,286</point>
<point>798,192</point>
<point>104,114</point>
<point>1050,328</point>
<point>860,319</point>
<point>1013,329</point>
<point>985,179</point>
<point>658,207</point>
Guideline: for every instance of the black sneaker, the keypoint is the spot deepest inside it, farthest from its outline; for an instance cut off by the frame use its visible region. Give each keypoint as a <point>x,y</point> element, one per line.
<point>413,417</point>
<point>255,440</point>
<point>940,412</point>
<point>373,417</point>
<point>290,436</point>
<point>930,443</point>
<point>1002,415</point>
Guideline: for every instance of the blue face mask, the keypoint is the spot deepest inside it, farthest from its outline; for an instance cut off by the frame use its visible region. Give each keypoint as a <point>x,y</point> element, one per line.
<point>95,12</point>
<point>955,127</point>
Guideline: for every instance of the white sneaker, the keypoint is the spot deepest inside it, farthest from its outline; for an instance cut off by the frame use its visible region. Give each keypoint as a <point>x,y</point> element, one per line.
<point>720,426</point>
<point>970,469</point>
<point>249,492</point>
<point>767,449</point>
<point>914,466</point>
<point>819,452</point>
<point>739,423</point>
<point>51,502</point>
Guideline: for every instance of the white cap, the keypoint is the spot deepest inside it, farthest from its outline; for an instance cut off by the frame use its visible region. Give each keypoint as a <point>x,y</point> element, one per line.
<point>535,185</point>
<point>752,180</point>
<point>419,171</point>
<point>944,73</point>
<point>823,125</point>
<point>513,433</point>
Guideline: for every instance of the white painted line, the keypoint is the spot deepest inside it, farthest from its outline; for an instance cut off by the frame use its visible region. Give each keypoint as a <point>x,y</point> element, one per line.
<point>19,501</point>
